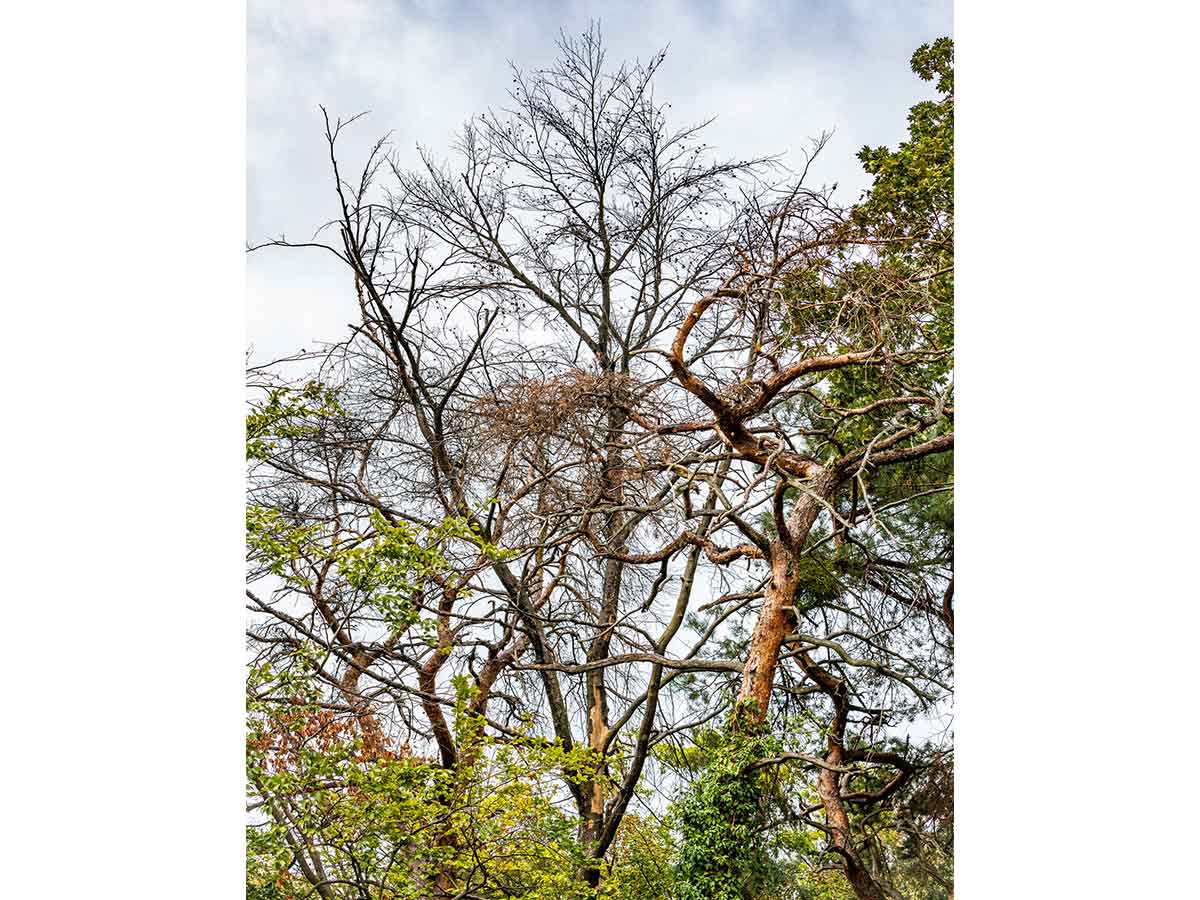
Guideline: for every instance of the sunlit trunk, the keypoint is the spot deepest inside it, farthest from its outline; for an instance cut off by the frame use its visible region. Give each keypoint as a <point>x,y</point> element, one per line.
<point>777,617</point>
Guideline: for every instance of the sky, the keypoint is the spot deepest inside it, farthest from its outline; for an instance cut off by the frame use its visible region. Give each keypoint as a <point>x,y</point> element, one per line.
<point>774,74</point>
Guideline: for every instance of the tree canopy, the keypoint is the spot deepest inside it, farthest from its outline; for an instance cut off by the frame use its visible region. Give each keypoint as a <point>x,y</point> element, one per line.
<point>610,553</point>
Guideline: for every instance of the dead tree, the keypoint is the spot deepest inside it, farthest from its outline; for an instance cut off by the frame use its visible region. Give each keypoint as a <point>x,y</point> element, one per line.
<point>501,373</point>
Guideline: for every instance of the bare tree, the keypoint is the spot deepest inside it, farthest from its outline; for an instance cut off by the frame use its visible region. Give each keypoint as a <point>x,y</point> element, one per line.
<point>501,373</point>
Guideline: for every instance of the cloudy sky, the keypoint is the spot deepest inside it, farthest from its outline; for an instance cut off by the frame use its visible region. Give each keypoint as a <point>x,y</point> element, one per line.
<point>775,75</point>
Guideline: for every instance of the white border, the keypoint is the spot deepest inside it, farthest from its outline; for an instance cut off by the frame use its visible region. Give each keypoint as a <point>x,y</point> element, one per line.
<point>123,210</point>
<point>1076,380</point>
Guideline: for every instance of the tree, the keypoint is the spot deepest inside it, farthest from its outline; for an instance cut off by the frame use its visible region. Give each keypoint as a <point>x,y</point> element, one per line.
<point>625,440</point>
<point>843,404</point>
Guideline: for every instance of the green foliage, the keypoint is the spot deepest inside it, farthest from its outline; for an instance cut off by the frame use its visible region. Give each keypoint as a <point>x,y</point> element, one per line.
<point>822,883</point>
<point>722,851</point>
<point>396,561</point>
<point>892,287</point>
<point>391,563</point>
<point>289,413</point>
<point>912,196</point>
<point>704,746</point>
<point>642,858</point>
<point>277,542</point>
<point>490,823</point>
<point>818,580</point>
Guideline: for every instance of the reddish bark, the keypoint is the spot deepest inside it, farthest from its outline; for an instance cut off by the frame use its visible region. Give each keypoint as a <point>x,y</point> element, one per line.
<point>777,617</point>
<point>838,821</point>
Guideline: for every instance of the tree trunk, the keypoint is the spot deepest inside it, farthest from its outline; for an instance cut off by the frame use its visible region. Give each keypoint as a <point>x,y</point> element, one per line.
<point>864,884</point>
<point>772,627</point>
<point>591,826</point>
<point>777,617</point>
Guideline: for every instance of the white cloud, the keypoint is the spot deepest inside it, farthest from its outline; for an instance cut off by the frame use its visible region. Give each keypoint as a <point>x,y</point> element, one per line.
<point>776,74</point>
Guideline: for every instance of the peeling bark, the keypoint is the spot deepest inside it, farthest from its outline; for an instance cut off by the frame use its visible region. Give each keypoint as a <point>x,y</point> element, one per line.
<point>777,616</point>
